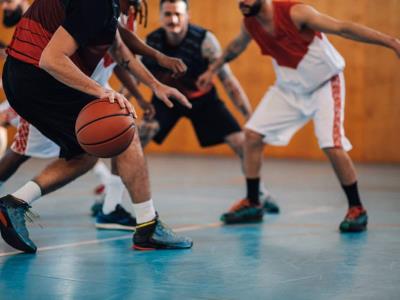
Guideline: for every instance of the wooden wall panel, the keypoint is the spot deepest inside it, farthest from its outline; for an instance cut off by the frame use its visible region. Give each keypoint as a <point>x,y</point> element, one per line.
<point>372,79</point>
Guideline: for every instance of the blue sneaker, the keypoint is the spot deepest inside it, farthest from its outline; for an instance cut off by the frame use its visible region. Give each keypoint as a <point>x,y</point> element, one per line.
<point>12,223</point>
<point>119,219</point>
<point>155,235</point>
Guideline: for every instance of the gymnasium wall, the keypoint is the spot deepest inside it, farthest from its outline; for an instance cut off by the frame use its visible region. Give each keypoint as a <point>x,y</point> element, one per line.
<point>372,79</point>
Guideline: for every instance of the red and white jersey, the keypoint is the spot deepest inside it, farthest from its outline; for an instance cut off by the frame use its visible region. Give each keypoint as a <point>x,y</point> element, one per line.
<point>303,59</point>
<point>105,68</point>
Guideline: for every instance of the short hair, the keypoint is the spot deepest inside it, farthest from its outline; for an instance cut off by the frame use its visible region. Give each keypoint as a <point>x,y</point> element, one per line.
<point>174,1</point>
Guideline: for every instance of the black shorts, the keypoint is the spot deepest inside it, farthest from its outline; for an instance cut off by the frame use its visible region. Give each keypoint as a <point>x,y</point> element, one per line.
<point>46,103</point>
<point>210,118</point>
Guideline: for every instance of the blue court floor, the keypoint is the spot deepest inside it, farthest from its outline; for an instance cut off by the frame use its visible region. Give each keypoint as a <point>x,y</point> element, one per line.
<point>296,255</point>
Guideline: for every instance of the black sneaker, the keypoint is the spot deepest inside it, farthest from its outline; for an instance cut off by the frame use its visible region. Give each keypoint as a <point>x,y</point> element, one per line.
<point>155,235</point>
<point>356,220</point>
<point>119,219</point>
<point>269,204</point>
<point>13,212</point>
<point>243,212</point>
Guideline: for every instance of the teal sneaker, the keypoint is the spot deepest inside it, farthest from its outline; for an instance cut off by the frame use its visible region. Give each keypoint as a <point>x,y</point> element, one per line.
<point>13,212</point>
<point>243,212</point>
<point>269,204</point>
<point>356,220</point>
<point>119,219</point>
<point>155,235</point>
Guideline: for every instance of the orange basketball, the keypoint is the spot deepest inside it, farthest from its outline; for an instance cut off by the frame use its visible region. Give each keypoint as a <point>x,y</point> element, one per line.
<point>104,129</point>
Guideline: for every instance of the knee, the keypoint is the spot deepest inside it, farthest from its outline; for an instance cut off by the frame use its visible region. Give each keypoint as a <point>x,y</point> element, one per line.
<point>253,139</point>
<point>86,161</point>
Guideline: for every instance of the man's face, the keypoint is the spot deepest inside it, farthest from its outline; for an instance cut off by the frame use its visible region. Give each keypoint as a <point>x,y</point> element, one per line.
<point>174,16</point>
<point>12,10</point>
<point>250,8</point>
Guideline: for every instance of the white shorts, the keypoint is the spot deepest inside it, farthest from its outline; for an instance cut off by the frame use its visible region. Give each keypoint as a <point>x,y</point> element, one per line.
<point>31,142</point>
<point>281,113</point>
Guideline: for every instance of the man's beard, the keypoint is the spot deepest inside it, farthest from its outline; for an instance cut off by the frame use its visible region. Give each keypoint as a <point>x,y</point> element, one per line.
<point>12,17</point>
<point>253,10</point>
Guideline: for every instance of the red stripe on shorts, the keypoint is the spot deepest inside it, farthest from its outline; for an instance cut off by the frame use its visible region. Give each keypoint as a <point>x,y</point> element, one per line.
<point>337,102</point>
<point>20,142</point>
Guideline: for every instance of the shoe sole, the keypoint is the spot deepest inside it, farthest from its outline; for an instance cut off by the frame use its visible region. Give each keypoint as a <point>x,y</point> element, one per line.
<point>114,226</point>
<point>11,237</point>
<point>355,228</point>
<point>152,247</point>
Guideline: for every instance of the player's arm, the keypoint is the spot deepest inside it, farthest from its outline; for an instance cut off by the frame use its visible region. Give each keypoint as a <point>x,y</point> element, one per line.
<point>306,16</point>
<point>124,57</point>
<point>56,60</point>
<point>234,49</point>
<point>211,50</point>
<point>137,46</point>
<point>130,83</point>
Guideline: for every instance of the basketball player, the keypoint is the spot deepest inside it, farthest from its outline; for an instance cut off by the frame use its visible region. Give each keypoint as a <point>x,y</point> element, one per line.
<point>46,82</point>
<point>309,86</point>
<point>29,142</point>
<point>212,121</point>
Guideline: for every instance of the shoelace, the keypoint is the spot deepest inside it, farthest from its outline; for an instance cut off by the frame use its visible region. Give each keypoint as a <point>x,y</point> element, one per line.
<point>239,205</point>
<point>354,212</point>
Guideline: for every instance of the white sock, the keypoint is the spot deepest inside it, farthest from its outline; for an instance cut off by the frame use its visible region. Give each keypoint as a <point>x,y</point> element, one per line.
<point>101,171</point>
<point>264,190</point>
<point>114,191</point>
<point>29,192</point>
<point>144,212</point>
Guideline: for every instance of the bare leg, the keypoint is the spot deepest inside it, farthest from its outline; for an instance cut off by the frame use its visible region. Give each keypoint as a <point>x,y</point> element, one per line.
<point>342,165</point>
<point>253,154</point>
<point>62,172</point>
<point>10,163</point>
<point>132,168</point>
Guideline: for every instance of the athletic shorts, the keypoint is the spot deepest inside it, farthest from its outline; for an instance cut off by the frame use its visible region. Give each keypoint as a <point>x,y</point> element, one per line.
<point>210,119</point>
<point>46,103</point>
<point>281,113</point>
<point>31,142</point>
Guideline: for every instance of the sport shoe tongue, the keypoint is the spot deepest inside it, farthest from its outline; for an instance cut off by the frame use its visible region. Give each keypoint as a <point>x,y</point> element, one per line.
<point>240,204</point>
<point>354,212</point>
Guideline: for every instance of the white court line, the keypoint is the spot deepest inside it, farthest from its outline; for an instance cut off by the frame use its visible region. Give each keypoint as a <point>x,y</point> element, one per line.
<point>123,237</point>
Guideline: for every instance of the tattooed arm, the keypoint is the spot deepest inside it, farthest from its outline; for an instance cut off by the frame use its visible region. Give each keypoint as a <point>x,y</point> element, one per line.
<point>234,49</point>
<point>128,61</point>
<point>211,50</point>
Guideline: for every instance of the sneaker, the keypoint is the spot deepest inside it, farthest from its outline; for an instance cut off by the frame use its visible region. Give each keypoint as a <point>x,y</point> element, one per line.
<point>243,212</point>
<point>13,212</point>
<point>119,219</point>
<point>356,220</point>
<point>96,208</point>
<point>155,235</point>
<point>269,204</point>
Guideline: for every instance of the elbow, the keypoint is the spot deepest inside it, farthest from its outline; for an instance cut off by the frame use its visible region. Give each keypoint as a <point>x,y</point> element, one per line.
<point>344,28</point>
<point>45,61</point>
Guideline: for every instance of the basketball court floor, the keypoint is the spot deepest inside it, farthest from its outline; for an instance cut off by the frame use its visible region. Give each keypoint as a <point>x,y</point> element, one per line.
<point>298,254</point>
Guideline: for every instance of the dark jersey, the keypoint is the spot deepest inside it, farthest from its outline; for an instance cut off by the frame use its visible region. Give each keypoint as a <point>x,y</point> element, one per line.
<point>189,50</point>
<point>92,23</point>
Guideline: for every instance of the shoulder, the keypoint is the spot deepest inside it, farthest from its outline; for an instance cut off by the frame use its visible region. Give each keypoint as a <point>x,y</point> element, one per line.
<point>197,31</point>
<point>155,35</point>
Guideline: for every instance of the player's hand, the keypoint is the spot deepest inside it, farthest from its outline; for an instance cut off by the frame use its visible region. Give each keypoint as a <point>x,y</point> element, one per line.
<point>113,97</point>
<point>148,109</point>
<point>164,92</point>
<point>205,80</point>
<point>175,65</point>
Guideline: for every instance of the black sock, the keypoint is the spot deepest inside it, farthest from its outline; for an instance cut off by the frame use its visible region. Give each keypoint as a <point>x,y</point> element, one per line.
<point>253,190</point>
<point>352,194</point>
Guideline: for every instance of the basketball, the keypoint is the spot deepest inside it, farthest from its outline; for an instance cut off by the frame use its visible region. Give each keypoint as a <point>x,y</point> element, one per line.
<point>104,129</point>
